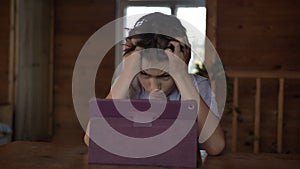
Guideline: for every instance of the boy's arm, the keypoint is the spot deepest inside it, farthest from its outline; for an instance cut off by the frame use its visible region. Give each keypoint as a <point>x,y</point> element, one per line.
<point>210,131</point>
<point>86,136</point>
<point>132,66</point>
<point>120,88</point>
<point>215,143</point>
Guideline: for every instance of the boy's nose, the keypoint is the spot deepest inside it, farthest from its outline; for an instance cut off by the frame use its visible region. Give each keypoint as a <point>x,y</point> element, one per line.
<point>154,84</point>
<point>157,94</point>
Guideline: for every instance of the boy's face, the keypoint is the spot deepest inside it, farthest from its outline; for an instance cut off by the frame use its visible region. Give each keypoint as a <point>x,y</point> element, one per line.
<point>152,79</point>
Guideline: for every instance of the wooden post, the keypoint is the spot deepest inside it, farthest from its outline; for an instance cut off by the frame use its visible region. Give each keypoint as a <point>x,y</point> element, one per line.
<point>51,66</point>
<point>280,115</point>
<point>12,33</point>
<point>211,21</point>
<point>211,39</point>
<point>257,116</point>
<point>32,81</point>
<point>235,115</point>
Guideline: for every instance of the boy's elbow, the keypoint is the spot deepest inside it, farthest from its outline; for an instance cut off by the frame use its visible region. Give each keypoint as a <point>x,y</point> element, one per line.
<point>86,139</point>
<point>216,149</point>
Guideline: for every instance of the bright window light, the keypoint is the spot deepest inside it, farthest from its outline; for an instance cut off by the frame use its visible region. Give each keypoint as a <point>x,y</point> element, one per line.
<point>134,10</point>
<point>193,18</point>
<point>195,23</point>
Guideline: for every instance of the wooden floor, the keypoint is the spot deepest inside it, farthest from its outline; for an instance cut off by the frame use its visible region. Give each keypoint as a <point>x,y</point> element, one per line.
<point>33,155</point>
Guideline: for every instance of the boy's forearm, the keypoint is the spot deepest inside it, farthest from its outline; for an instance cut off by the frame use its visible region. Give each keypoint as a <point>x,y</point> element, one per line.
<point>215,141</point>
<point>120,89</point>
<point>188,91</point>
<point>215,144</point>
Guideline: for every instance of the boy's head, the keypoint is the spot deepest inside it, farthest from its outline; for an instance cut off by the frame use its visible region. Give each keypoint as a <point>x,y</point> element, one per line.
<point>155,65</point>
<point>156,30</point>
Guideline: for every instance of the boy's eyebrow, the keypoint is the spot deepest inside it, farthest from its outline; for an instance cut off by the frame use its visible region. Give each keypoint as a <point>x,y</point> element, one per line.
<point>144,73</point>
<point>161,75</point>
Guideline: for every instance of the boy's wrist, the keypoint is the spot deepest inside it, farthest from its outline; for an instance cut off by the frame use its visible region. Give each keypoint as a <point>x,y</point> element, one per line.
<point>129,74</point>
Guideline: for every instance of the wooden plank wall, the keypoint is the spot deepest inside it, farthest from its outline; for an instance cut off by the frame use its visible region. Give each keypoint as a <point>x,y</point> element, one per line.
<point>75,22</point>
<point>32,116</point>
<point>5,100</point>
<point>259,35</point>
<point>4,49</point>
<point>262,35</point>
<point>251,35</point>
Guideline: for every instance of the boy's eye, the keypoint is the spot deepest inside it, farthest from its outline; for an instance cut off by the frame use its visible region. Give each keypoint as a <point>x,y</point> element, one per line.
<point>165,76</point>
<point>144,74</point>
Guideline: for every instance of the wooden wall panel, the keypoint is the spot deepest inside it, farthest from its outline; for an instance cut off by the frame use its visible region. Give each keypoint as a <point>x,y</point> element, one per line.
<point>75,22</point>
<point>245,115</point>
<point>269,113</point>
<point>251,35</point>
<point>262,35</point>
<point>254,34</point>
<point>32,115</point>
<point>4,50</point>
<point>291,117</point>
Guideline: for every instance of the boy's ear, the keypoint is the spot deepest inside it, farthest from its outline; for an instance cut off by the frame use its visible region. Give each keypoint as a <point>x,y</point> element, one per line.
<point>128,43</point>
<point>187,54</point>
<point>129,47</point>
<point>171,47</point>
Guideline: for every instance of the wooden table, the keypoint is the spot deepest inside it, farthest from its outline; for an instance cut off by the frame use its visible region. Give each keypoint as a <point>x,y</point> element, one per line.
<point>34,155</point>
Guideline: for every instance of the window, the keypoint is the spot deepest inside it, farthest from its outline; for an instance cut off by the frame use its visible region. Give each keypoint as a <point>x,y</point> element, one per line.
<point>192,13</point>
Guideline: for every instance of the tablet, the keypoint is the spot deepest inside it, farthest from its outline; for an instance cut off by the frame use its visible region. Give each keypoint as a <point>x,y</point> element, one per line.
<point>143,132</point>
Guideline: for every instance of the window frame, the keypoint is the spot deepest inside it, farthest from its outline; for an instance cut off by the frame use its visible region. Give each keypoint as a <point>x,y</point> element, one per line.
<point>172,4</point>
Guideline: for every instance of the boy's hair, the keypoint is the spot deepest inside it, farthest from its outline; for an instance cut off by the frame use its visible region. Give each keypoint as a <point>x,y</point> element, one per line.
<point>156,30</point>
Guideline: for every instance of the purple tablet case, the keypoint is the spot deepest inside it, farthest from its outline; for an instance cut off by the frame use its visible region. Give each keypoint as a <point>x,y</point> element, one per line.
<point>183,154</point>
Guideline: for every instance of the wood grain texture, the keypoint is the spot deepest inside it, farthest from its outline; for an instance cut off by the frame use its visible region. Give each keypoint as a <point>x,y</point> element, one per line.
<point>257,116</point>
<point>211,21</point>
<point>4,50</point>
<point>35,155</point>
<point>235,115</point>
<point>280,114</point>
<point>75,22</point>
<point>262,38</point>
<point>32,82</point>
<point>259,34</point>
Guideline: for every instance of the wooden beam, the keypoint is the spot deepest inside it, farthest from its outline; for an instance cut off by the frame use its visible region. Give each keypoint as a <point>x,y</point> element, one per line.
<point>211,21</point>
<point>51,65</point>
<point>32,81</point>
<point>12,33</point>
<point>257,116</point>
<point>280,115</point>
<point>264,74</point>
<point>235,115</point>
<point>211,34</point>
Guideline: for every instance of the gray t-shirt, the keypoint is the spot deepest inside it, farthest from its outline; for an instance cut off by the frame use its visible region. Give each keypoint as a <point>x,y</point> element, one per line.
<point>201,84</point>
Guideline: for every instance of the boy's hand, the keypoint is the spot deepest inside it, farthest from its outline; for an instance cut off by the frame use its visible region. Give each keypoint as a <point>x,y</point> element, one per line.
<point>130,47</point>
<point>176,49</point>
<point>132,59</point>
<point>177,64</point>
<point>132,63</point>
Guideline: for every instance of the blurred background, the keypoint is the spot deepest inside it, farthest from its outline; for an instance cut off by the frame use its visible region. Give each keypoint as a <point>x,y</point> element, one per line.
<point>258,42</point>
